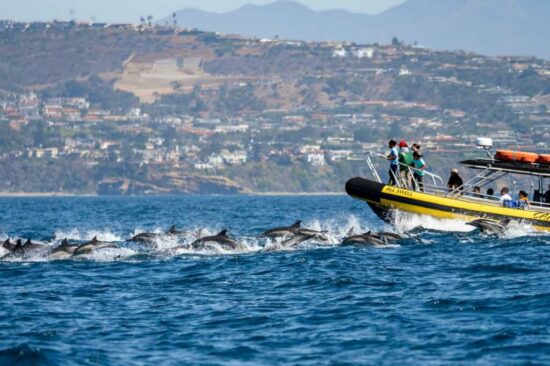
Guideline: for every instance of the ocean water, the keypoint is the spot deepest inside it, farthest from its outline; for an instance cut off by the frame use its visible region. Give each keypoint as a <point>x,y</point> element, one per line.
<point>447,295</point>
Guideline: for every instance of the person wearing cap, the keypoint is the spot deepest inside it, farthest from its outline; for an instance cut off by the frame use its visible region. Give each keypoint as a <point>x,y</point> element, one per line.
<point>405,161</point>
<point>455,181</point>
<point>393,157</point>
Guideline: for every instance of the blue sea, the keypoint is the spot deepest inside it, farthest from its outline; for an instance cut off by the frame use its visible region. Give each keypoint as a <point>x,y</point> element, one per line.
<point>446,295</point>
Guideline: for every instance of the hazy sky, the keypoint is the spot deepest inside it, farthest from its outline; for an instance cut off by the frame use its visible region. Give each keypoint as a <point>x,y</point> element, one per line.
<point>131,10</point>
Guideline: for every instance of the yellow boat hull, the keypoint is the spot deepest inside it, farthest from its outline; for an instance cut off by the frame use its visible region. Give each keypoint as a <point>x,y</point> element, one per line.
<point>383,198</point>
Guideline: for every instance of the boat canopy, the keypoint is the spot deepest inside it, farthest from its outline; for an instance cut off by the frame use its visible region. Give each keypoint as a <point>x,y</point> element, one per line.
<point>512,167</point>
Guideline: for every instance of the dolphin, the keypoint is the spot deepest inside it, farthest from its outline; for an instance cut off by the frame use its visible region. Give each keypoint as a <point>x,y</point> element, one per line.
<point>220,240</point>
<point>368,238</point>
<point>393,236</point>
<point>295,230</point>
<point>24,249</point>
<point>149,238</point>
<point>8,245</point>
<point>297,239</point>
<point>489,226</point>
<point>63,251</point>
<point>91,246</point>
<point>173,232</point>
<point>317,235</point>
<point>283,231</point>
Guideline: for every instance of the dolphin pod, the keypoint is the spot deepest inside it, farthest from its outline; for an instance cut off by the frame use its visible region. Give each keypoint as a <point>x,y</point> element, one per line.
<point>284,237</point>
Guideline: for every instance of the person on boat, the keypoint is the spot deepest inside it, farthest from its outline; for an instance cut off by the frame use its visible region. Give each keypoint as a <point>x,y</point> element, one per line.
<point>505,198</point>
<point>491,195</point>
<point>523,200</point>
<point>419,167</point>
<point>455,181</point>
<point>477,192</point>
<point>393,157</point>
<point>405,161</point>
<point>547,195</point>
<point>416,148</point>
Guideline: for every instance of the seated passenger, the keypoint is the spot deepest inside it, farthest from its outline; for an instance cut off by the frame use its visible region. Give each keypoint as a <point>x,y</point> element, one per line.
<point>547,195</point>
<point>505,198</point>
<point>477,192</point>
<point>524,200</point>
<point>491,195</point>
<point>455,181</point>
<point>537,197</point>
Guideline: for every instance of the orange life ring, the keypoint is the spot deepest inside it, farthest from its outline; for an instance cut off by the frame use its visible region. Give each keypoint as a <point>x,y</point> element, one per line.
<point>544,159</point>
<point>517,156</point>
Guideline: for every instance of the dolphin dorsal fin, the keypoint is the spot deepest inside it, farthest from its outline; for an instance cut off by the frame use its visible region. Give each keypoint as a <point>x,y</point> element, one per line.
<point>297,224</point>
<point>223,233</point>
<point>351,231</point>
<point>94,240</point>
<point>65,243</point>
<point>28,242</point>
<point>172,229</point>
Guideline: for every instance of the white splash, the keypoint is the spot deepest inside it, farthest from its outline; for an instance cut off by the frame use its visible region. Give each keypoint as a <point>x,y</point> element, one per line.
<point>517,229</point>
<point>86,235</point>
<point>406,221</point>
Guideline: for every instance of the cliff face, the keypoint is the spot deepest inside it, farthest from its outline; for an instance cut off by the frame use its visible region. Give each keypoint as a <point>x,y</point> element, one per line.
<point>170,184</point>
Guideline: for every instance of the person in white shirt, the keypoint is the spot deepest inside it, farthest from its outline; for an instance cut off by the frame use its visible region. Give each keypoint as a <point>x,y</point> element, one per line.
<point>505,197</point>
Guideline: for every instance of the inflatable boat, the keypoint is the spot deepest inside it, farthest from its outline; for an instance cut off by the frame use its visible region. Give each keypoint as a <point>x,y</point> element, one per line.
<point>436,199</point>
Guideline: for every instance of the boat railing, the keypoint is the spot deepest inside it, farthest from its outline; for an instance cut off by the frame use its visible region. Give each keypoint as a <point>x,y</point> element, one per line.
<point>435,178</point>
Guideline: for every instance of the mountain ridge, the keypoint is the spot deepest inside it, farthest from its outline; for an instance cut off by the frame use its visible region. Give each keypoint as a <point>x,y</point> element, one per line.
<point>494,27</point>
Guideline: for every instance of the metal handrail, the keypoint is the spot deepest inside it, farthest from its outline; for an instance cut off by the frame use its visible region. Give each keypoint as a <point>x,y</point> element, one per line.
<point>434,177</point>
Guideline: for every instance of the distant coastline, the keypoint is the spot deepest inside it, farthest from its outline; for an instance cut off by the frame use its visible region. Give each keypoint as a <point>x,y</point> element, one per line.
<point>43,194</point>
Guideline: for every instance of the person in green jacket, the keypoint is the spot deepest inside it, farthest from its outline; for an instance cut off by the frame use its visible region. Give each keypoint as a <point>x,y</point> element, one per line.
<point>405,161</point>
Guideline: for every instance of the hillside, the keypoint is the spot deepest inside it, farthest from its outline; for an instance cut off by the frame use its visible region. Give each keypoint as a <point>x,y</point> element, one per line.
<point>491,27</point>
<point>124,109</point>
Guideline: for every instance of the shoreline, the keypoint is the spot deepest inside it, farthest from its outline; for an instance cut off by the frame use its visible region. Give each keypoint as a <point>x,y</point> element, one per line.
<point>43,194</point>
<point>68,195</point>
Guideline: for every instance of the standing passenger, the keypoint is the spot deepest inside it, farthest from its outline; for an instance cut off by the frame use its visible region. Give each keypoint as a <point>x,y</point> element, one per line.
<point>405,162</point>
<point>419,167</point>
<point>393,157</point>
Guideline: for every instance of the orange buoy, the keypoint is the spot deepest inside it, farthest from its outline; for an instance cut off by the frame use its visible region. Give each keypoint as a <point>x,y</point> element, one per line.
<point>544,159</point>
<point>516,156</point>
